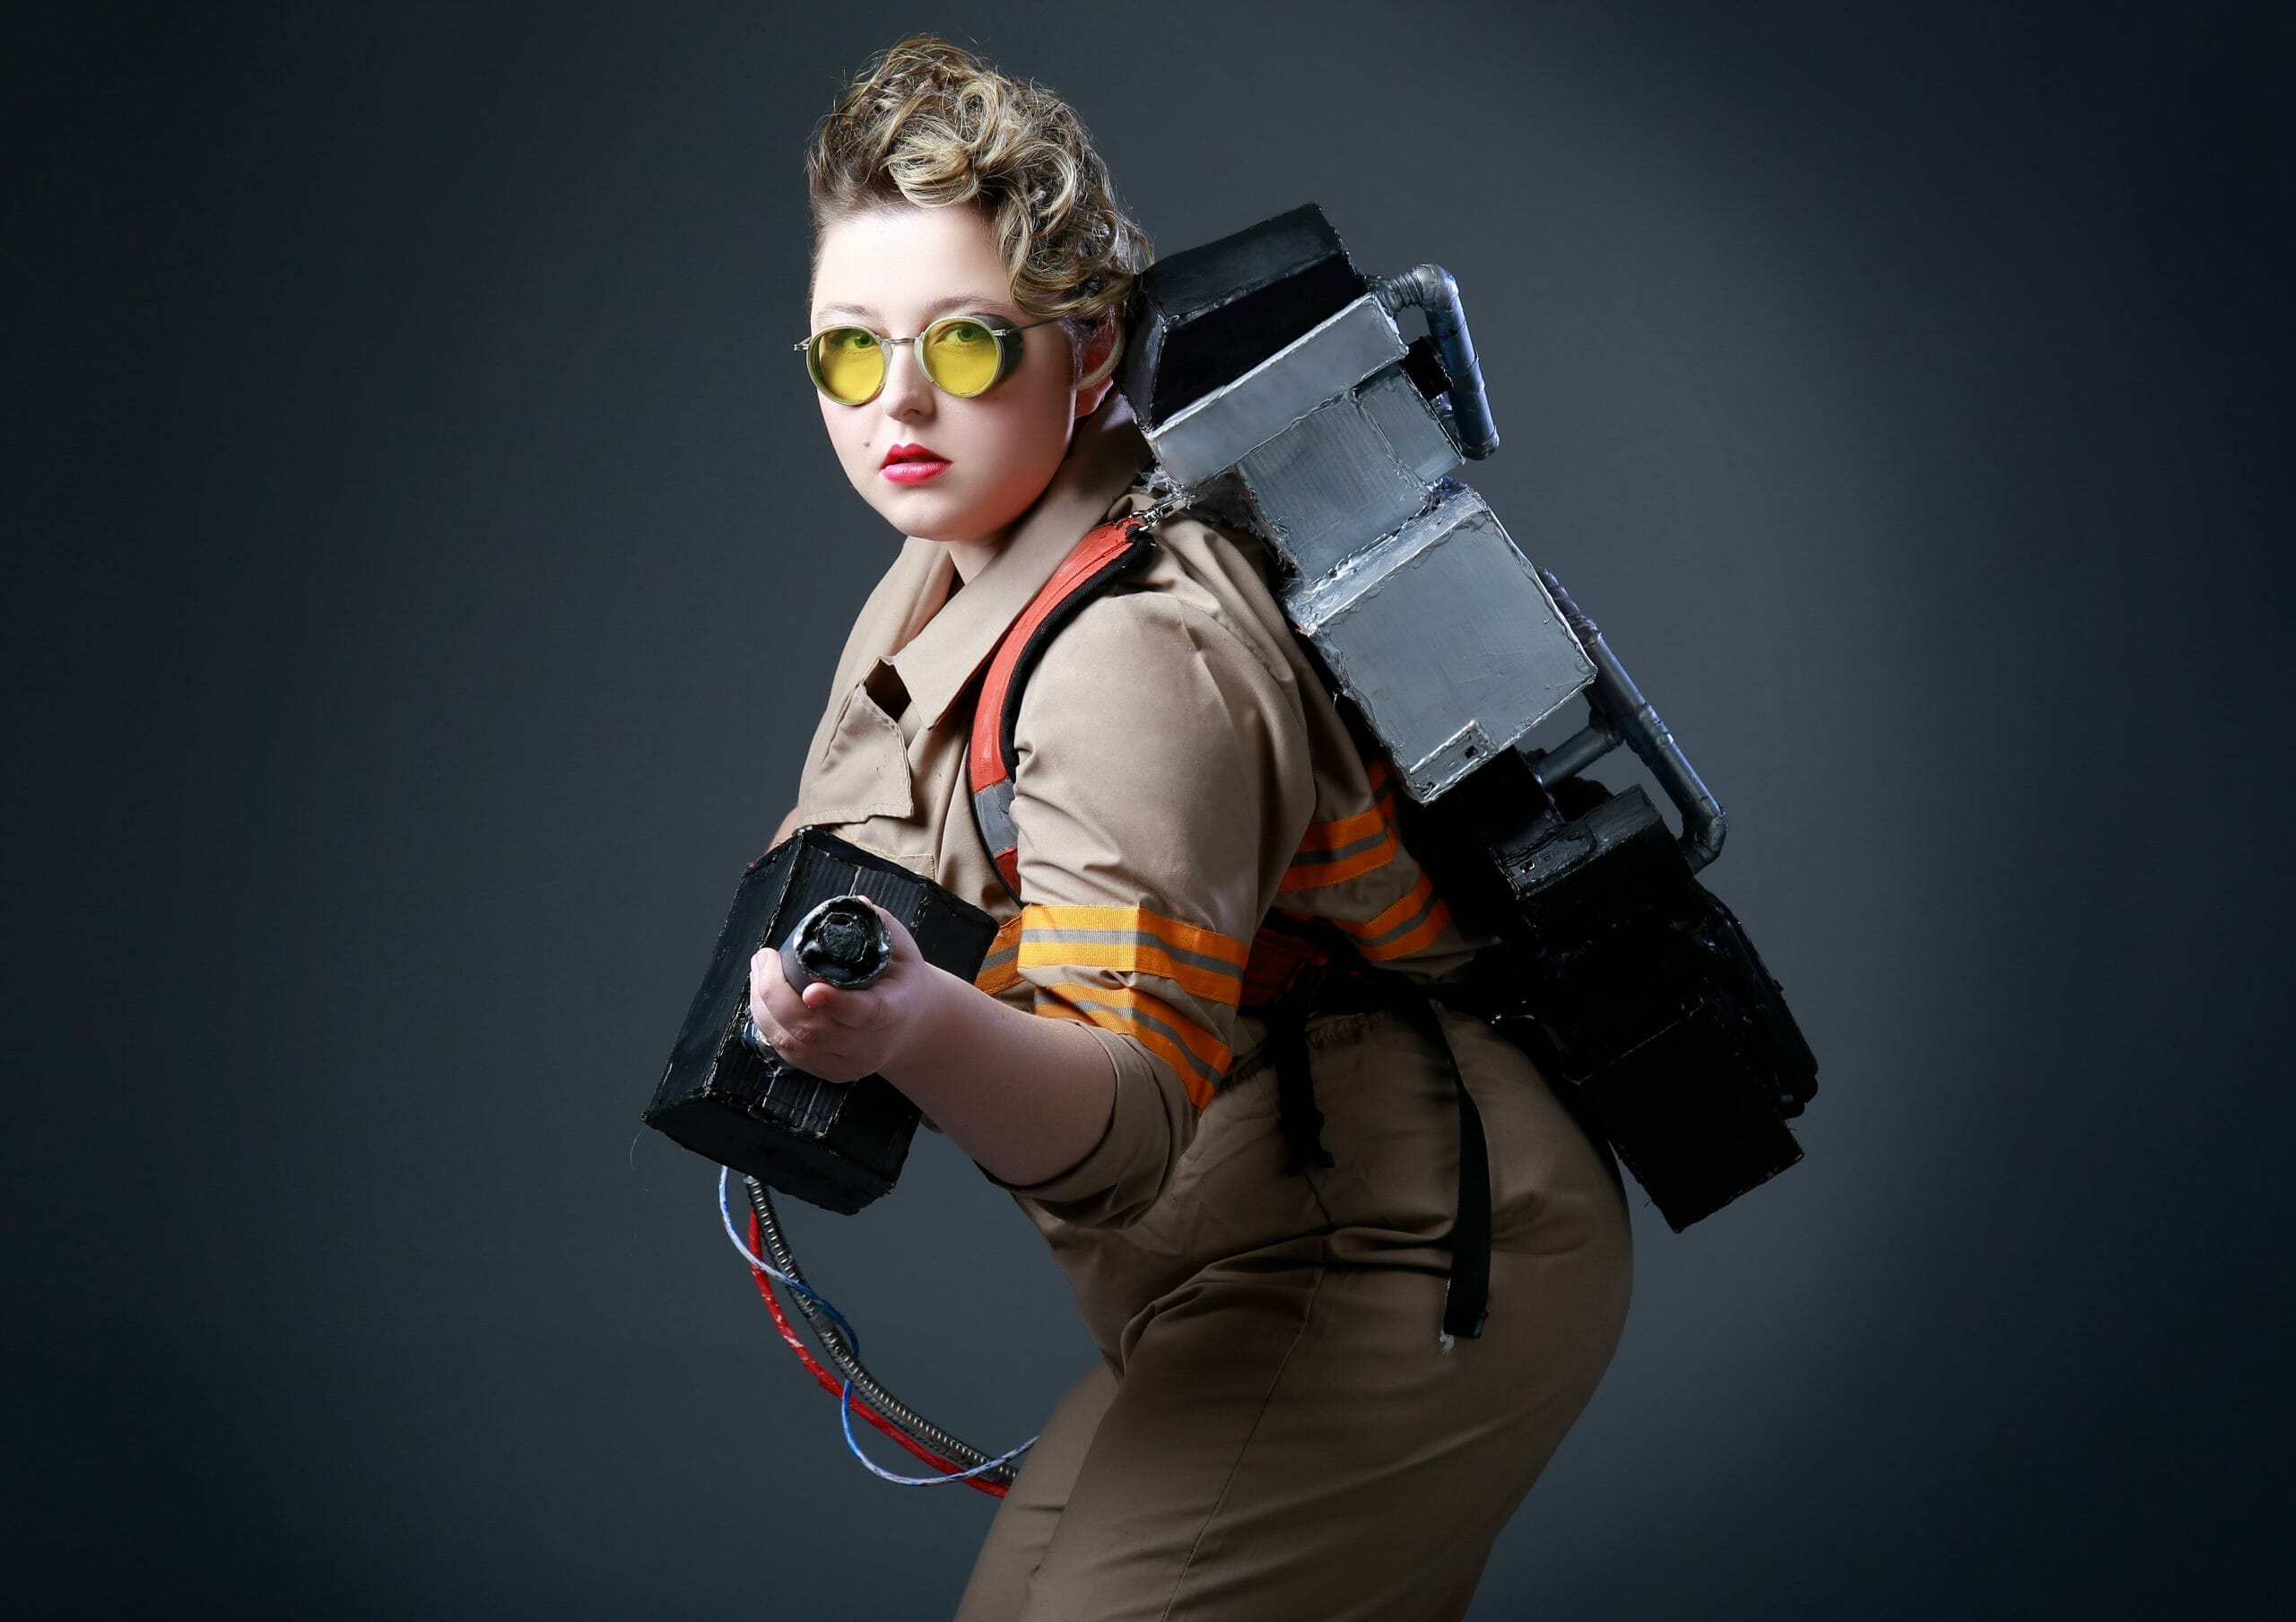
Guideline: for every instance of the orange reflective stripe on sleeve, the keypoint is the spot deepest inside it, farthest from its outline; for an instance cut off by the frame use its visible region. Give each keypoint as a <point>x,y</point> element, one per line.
<point>1340,851</point>
<point>1000,971</point>
<point>1195,1055</point>
<point>1410,925</point>
<point>1200,961</point>
<point>1349,846</point>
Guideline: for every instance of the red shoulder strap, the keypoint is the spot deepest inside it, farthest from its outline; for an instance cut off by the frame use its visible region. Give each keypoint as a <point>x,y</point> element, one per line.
<point>1113,550</point>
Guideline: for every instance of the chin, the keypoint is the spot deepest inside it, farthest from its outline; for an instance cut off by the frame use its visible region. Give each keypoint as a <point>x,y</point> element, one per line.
<point>916,513</point>
<point>954,532</point>
<point>934,515</point>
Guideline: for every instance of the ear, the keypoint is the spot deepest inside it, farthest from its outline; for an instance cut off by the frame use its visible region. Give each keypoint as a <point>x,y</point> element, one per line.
<point>1103,348</point>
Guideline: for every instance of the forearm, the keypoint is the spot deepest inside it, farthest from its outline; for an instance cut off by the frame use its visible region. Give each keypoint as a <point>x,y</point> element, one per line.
<point>1027,1097</point>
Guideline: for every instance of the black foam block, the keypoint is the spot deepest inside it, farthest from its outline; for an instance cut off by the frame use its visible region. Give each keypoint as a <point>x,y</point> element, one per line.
<point>1210,314</point>
<point>835,1145</point>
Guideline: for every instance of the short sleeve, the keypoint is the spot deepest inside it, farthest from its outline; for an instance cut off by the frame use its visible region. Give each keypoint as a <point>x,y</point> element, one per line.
<point>1162,786</point>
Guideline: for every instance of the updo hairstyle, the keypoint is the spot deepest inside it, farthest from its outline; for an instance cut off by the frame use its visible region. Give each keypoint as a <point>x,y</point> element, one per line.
<point>930,124</point>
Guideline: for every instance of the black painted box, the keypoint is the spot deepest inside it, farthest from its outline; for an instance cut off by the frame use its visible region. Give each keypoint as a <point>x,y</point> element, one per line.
<point>835,1145</point>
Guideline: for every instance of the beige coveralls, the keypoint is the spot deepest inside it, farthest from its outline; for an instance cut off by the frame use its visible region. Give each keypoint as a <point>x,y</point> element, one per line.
<point>1273,1430</point>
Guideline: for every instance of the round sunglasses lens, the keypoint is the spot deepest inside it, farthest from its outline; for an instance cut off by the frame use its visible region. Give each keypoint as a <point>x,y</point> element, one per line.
<point>963,356</point>
<point>848,363</point>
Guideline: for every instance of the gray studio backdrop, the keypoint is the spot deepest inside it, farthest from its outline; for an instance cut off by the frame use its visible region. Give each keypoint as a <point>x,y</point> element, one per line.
<point>450,566</point>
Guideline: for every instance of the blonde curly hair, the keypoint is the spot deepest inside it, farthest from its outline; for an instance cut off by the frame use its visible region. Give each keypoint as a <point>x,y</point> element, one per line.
<point>929,123</point>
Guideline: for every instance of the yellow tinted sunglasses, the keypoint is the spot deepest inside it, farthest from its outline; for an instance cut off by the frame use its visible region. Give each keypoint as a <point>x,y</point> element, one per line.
<point>962,355</point>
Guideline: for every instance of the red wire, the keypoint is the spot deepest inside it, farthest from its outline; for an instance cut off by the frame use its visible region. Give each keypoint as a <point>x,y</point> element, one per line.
<point>836,1387</point>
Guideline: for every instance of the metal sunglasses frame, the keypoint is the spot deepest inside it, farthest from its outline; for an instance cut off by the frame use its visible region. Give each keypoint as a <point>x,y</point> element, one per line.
<point>1008,353</point>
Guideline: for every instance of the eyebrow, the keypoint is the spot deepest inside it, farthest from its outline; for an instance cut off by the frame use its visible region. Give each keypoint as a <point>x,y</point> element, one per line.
<point>963,300</point>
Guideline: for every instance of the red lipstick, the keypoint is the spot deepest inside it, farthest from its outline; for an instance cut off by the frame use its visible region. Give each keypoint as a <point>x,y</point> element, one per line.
<point>913,464</point>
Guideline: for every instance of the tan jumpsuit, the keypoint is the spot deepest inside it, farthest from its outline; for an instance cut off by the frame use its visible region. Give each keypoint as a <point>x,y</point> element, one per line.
<point>1273,1430</point>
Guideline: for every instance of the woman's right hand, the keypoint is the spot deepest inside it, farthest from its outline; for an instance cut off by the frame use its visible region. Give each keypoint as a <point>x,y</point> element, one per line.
<point>838,1033</point>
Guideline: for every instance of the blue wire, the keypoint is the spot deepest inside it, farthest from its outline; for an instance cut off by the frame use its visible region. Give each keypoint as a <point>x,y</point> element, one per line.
<point>845,1417</point>
<point>798,1287</point>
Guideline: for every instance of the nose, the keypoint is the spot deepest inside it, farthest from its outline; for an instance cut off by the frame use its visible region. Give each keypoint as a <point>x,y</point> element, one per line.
<point>907,394</point>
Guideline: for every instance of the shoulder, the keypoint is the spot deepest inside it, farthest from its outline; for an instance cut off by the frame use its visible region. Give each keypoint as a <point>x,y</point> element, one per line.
<point>1139,664</point>
<point>1201,599</point>
<point>1186,661</point>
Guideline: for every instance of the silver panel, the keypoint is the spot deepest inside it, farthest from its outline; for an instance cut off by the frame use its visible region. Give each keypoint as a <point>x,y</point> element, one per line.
<point>1412,429</point>
<point>1326,486</point>
<point>1228,424</point>
<point>1446,641</point>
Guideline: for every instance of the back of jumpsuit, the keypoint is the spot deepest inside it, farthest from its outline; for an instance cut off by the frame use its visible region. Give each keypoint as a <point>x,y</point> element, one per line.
<point>1273,1429</point>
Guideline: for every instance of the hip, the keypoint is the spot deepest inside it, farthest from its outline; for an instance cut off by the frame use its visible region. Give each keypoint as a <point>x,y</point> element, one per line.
<point>1386,1202</point>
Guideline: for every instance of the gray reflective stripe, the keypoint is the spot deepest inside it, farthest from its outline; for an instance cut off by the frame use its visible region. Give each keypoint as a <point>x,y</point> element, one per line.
<point>1400,931</point>
<point>992,807</point>
<point>1317,858</point>
<point>1132,1016</point>
<point>1121,937</point>
<point>1004,958</point>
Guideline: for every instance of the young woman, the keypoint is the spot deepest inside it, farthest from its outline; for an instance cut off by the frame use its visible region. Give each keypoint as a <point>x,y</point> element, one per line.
<point>1274,1427</point>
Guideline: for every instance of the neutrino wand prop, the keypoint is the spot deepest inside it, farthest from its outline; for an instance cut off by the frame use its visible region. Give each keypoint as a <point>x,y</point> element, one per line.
<point>729,1096</point>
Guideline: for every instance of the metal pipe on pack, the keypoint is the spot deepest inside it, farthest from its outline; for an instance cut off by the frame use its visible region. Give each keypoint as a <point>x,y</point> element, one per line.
<point>1431,288</point>
<point>1704,822</point>
<point>1576,753</point>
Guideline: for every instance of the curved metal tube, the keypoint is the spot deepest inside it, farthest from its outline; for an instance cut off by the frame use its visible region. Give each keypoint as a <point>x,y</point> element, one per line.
<point>840,1352</point>
<point>1704,822</point>
<point>1576,753</point>
<point>1431,288</point>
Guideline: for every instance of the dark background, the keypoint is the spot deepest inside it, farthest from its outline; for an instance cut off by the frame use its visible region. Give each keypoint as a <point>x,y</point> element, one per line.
<point>429,573</point>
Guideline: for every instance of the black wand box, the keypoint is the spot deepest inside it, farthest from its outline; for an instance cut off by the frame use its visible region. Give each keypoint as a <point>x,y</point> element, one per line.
<point>837,1145</point>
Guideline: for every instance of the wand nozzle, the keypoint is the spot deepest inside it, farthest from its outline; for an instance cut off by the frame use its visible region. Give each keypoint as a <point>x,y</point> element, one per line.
<point>843,941</point>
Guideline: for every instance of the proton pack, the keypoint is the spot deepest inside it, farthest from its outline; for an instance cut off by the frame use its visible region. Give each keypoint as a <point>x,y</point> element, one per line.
<point>1279,394</point>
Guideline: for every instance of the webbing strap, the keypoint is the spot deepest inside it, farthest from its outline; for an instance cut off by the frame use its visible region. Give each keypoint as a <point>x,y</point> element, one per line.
<point>1339,987</point>
<point>1296,1111</point>
<point>1466,1300</point>
<point>1112,550</point>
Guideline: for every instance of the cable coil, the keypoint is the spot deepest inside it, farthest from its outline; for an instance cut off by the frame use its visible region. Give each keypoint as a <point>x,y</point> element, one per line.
<point>957,1460</point>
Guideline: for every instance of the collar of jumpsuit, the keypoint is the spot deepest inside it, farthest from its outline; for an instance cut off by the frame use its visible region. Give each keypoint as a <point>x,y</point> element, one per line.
<point>935,662</point>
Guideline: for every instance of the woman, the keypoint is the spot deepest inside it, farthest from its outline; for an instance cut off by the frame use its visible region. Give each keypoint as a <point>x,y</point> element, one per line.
<point>1274,1427</point>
